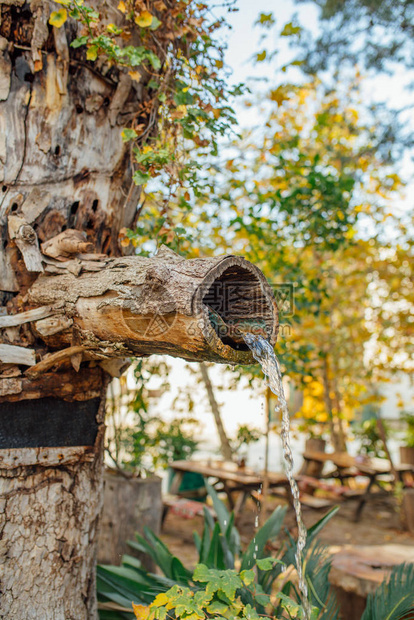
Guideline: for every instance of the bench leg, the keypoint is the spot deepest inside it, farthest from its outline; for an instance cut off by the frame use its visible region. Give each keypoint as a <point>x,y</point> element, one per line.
<point>363,499</point>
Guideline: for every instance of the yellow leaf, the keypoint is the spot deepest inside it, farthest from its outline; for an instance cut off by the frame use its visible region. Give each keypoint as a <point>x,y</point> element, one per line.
<point>141,611</point>
<point>144,19</point>
<point>135,75</point>
<point>125,242</point>
<point>92,53</point>
<point>58,18</point>
<point>122,7</point>
<point>161,599</point>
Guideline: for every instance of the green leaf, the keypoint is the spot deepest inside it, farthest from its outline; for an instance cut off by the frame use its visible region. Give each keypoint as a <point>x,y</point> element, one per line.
<point>92,53</point>
<point>289,604</point>
<point>269,530</point>
<point>267,563</point>
<point>79,41</point>
<point>319,525</point>
<point>140,178</point>
<point>155,23</point>
<point>128,134</point>
<point>58,18</point>
<point>215,556</point>
<point>247,576</point>
<point>394,598</point>
<point>262,599</point>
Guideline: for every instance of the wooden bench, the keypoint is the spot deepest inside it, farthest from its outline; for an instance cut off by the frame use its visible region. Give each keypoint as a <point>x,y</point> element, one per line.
<point>184,508</point>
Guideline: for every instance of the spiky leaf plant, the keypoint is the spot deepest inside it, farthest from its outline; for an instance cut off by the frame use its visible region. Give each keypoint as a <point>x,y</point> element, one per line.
<point>394,598</point>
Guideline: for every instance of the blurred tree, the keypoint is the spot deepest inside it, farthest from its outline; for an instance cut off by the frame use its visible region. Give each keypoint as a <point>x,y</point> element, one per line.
<point>307,199</point>
<point>374,34</point>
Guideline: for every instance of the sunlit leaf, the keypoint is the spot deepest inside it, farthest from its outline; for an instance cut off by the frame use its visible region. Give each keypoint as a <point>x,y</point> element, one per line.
<point>141,611</point>
<point>92,53</point>
<point>144,19</point>
<point>58,18</point>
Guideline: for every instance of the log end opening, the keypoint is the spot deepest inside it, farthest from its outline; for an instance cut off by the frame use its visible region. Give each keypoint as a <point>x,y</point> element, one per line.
<point>236,298</point>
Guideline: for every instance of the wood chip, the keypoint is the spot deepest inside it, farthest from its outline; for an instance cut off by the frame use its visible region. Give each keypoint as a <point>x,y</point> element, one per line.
<point>10,354</point>
<point>12,320</point>
<point>26,240</point>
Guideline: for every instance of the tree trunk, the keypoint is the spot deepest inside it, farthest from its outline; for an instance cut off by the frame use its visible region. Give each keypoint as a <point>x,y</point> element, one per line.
<point>63,165</point>
<point>225,446</point>
<point>66,186</point>
<point>50,501</point>
<point>335,438</point>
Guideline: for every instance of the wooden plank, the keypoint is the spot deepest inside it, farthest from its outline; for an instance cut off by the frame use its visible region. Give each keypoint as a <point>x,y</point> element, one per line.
<point>48,457</point>
<point>12,320</point>
<point>10,354</point>
<point>67,385</point>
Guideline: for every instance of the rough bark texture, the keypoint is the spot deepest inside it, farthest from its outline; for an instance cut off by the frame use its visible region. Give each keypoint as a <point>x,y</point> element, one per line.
<point>62,166</point>
<point>166,304</point>
<point>48,540</point>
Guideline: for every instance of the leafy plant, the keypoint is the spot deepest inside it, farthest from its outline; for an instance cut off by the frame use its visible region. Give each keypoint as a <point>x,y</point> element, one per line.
<point>219,597</point>
<point>368,435</point>
<point>219,550</point>
<point>137,441</point>
<point>394,598</point>
<point>185,103</point>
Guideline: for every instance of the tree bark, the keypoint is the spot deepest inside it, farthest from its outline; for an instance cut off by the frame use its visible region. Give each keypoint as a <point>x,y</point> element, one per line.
<point>140,306</point>
<point>62,165</point>
<point>225,446</point>
<point>48,541</point>
<point>50,504</point>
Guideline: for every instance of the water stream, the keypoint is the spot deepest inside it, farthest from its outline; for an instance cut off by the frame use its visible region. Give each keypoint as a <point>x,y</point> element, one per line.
<point>263,352</point>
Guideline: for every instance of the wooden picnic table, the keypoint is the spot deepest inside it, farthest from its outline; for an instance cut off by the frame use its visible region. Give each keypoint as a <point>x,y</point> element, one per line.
<point>237,482</point>
<point>347,466</point>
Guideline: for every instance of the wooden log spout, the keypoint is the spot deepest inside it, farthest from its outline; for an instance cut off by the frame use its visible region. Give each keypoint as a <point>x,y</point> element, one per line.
<point>195,309</point>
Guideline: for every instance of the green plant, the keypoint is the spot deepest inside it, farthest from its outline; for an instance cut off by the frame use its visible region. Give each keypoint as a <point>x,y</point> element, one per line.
<point>394,598</point>
<point>408,418</point>
<point>171,48</point>
<point>219,550</point>
<point>139,442</point>
<point>245,436</point>
<point>368,435</point>
<point>219,597</point>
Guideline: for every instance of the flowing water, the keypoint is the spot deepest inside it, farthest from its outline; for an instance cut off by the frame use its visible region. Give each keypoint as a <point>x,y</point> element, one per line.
<point>263,352</point>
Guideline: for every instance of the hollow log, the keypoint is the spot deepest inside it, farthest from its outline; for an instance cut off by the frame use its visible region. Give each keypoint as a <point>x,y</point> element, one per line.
<point>166,305</point>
